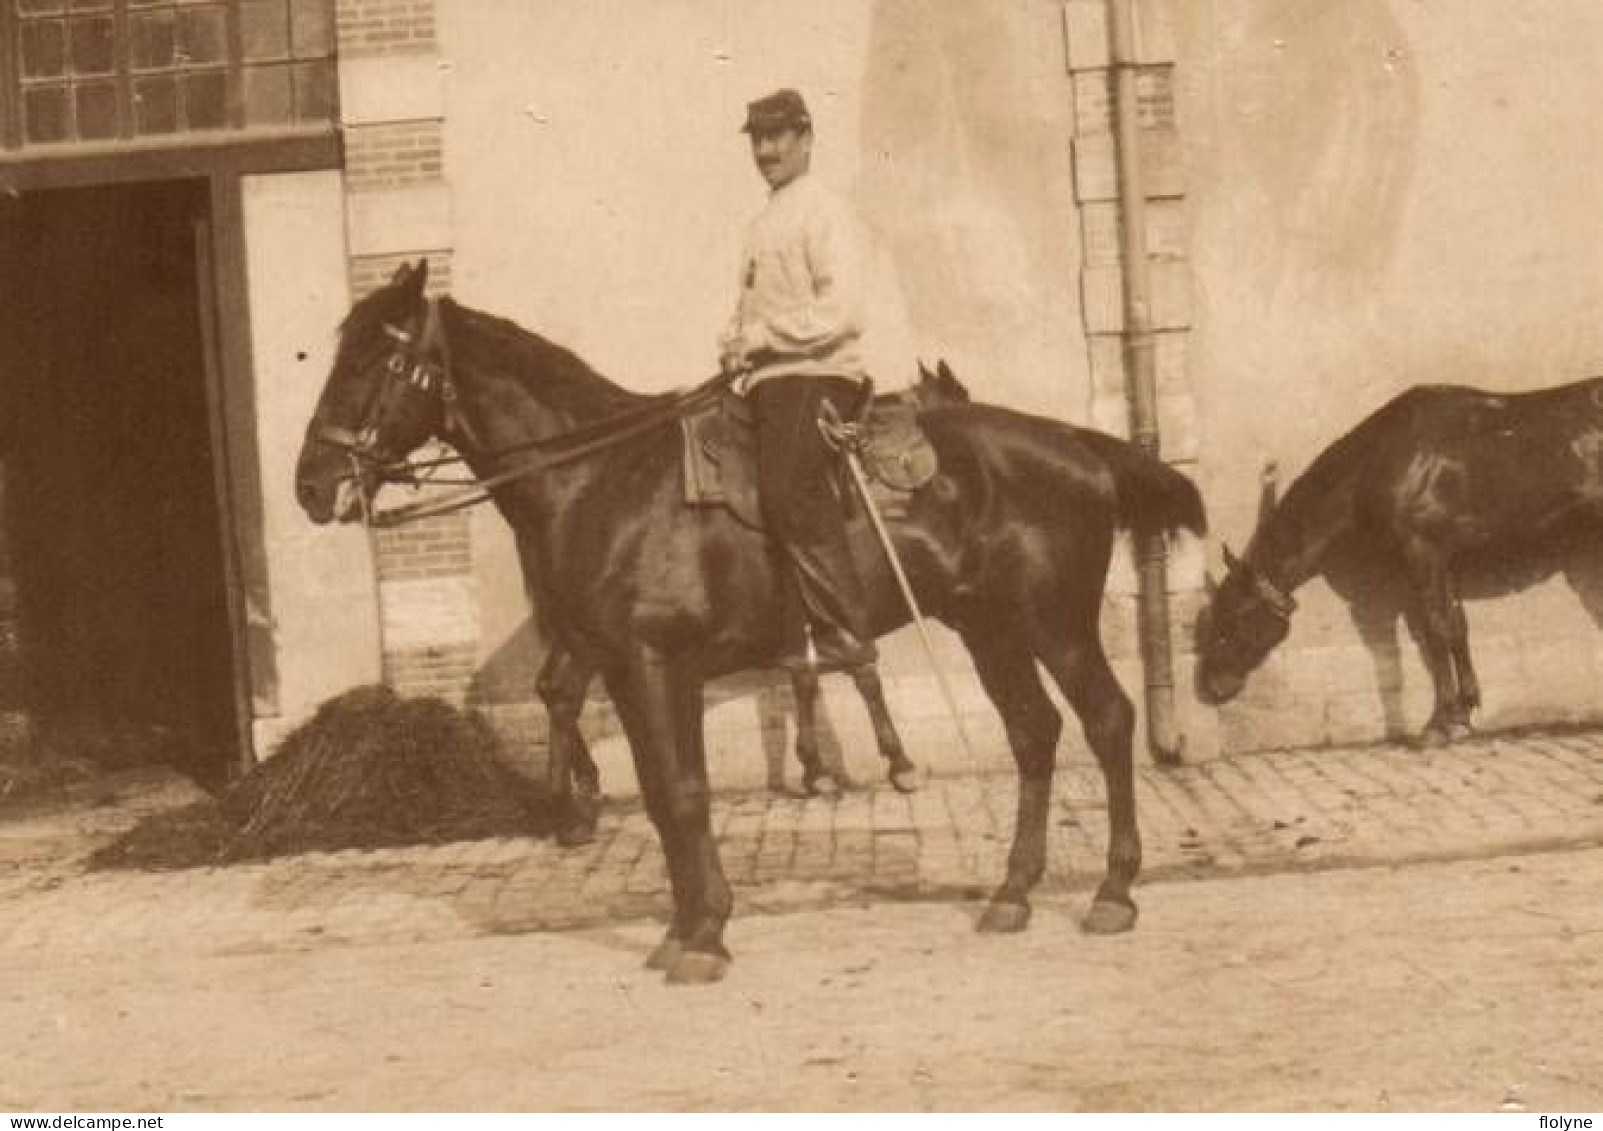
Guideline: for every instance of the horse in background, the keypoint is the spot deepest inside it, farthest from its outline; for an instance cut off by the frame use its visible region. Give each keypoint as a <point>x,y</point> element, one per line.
<point>1009,545</point>
<point>1438,476</point>
<point>574,781</point>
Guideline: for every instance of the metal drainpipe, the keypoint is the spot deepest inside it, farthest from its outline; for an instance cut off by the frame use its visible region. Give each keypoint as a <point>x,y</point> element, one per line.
<point>1163,734</point>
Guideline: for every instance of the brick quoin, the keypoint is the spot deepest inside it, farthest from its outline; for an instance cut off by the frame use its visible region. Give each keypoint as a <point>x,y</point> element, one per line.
<point>381,27</point>
<point>434,547</point>
<point>392,155</point>
<point>445,672</point>
<point>385,157</point>
<point>370,272</point>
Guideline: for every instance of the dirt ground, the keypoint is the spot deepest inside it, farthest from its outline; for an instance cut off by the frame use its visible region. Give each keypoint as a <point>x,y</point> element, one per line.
<point>1459,986</point>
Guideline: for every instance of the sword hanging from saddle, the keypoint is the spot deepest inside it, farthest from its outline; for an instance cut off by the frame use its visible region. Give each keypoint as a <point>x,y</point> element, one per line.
<point>847,437</point>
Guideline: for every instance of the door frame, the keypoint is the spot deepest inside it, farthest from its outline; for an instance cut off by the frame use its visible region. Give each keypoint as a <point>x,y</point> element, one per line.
<point>225,336</point>
<point>229,379</point>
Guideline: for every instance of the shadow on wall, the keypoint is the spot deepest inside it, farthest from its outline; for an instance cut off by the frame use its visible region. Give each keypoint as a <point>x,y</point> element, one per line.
<point>1334,684</point>
<point>1378,603</point>
<point>1332,99</point>
<point>964,181</point>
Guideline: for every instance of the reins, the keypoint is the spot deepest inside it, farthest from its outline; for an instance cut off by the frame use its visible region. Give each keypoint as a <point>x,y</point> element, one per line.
<point>553,452</point>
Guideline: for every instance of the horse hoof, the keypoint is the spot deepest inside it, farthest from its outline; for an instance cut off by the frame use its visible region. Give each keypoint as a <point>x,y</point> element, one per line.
<point>576,834</point>
<point>1433,737</point>
<point>1458,731</point>
<point>697,968</point>
<point>1109,918</point>
<point>824,785</point>
<point>906,781</point>
<point>667,955</point>
<point>1003,918</point>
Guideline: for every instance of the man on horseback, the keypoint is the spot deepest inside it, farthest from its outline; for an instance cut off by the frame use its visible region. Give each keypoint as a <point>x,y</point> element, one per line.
<point>796,335</point>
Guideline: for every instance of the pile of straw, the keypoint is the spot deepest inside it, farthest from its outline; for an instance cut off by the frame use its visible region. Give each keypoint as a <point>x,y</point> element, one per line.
<point>369,770</point>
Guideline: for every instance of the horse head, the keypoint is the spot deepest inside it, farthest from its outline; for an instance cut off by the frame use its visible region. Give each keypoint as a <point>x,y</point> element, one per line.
<point>387,394</point>
<point>1247,616</point>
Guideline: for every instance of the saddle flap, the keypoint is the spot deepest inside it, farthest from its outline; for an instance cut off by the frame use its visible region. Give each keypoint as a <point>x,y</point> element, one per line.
<point>896,452</point>
<point>728,427</point>
<point>720,465</point>
<point>720,448</point>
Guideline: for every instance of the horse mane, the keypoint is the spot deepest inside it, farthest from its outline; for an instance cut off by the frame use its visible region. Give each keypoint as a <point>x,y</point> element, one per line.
<point>567,382</point>
<point>1325,489</point>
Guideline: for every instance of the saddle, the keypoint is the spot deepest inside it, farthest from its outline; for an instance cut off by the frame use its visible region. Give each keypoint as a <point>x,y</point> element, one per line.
<point>720,456</point>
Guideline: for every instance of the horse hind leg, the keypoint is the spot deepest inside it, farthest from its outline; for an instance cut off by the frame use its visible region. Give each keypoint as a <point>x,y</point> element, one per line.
<point>1107,717</point>
<point>1432,615</point>
<point>1007,671</point>
<point>1469,684</point>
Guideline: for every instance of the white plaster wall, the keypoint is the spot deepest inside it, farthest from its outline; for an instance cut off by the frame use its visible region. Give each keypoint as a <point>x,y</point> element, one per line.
<point>1388,193</point>
<point>601,189</point>
<point>601,186</point>
<point>323,592</point>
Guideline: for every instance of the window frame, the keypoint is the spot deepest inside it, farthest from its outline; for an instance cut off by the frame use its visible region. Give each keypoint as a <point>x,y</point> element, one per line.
<point>15,145</point>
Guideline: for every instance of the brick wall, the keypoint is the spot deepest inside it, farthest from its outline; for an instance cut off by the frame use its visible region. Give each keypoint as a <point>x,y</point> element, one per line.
<point>369,272</point>
<point>398,209</point>
<point>432,548</point>
<point>1096,183</point>
<point>378,27</point>
<point>391,155</point>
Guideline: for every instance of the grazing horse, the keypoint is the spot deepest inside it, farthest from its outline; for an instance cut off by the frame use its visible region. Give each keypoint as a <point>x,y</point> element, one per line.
<point>1439,474</point>
<point>1008,544</point>
<point>573,780</point>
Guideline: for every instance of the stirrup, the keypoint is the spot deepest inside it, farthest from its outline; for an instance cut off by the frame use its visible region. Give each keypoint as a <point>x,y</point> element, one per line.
<point>818,663</point>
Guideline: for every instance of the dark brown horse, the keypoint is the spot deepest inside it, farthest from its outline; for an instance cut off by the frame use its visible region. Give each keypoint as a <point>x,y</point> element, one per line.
<point>1009,545</point>
<point>1439,475</point>
<point>573,781</point>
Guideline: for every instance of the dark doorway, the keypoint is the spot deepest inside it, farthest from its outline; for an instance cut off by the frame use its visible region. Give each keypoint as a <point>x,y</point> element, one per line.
<point>115,530</point>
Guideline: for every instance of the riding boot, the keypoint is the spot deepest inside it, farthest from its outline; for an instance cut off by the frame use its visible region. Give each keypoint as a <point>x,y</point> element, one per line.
<point>804,513</point>
<point>834,605</point>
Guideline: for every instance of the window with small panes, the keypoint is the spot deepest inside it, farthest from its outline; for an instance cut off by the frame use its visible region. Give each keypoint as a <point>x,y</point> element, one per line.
<point>93,72</point>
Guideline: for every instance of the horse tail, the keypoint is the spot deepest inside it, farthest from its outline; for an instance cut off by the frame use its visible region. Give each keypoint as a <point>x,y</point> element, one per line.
<point>1153,497</point>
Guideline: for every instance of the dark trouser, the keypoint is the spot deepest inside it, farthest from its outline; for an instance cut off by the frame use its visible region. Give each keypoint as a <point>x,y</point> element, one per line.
<point>795,479</point>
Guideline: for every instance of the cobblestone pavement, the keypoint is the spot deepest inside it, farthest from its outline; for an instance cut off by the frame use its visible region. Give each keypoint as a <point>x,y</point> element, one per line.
<point>1265,813</point>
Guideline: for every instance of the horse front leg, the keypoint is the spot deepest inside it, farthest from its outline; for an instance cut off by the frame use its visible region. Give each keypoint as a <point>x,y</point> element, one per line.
<point>817,780</point>
<point>661,705</point>
<point>901,771</point>
<point>573,783</point>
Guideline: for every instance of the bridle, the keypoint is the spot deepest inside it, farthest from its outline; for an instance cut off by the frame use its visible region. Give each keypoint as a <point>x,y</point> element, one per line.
<point>1280,604</point>
<point>1267,595</point>
<point>425,365</point>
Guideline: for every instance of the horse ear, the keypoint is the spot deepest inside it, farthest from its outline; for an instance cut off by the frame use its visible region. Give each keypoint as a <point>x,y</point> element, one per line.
<point>401,273</point>
<point>954,388</point>
<point>1232,563</point>
<point>1268,491</point>
<point>412,280</point>
<point>924,373</point>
